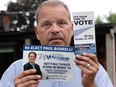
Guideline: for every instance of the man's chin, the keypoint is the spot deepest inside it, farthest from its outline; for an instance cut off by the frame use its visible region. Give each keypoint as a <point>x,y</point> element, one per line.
<point>57,44</point>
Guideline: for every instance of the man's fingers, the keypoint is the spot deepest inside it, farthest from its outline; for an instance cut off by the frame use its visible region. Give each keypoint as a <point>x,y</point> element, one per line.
<point>27,77</point>
<point>91,56</point>
<point>25,73</point>
<point>87,62</point>
<point>30,83</point>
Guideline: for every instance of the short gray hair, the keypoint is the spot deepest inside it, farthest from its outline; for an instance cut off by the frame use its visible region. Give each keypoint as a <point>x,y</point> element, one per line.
<point>52,3</point>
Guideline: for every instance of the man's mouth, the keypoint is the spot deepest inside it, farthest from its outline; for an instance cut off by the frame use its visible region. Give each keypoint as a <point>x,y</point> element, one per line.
<point>55,39</point>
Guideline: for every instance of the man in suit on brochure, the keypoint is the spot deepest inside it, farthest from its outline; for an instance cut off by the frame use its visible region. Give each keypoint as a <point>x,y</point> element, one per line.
<point>31,64</point>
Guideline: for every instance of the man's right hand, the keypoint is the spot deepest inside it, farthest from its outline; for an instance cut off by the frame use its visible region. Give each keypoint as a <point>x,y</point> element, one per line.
<point>27,78</point>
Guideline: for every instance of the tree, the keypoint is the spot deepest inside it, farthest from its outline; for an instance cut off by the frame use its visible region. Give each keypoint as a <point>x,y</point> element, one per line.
<point>22,13</point>
<point>24,5</point>
<point>98,20</point>
<point>111,18</point>
<point>11,5</point>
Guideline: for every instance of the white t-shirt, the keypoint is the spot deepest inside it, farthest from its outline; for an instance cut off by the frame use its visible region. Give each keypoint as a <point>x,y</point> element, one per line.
<point>102,79</point>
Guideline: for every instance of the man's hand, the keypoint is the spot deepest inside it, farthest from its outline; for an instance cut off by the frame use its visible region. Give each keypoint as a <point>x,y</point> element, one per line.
<point>27,79</point>
<point>89,65</point>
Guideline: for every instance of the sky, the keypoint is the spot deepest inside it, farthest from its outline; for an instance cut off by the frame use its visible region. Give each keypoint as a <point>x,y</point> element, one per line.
<point>101,8</point>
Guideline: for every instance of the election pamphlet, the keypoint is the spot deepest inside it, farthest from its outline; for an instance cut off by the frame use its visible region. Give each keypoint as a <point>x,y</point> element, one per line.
<point>84,32</point>
<point>55,62</point>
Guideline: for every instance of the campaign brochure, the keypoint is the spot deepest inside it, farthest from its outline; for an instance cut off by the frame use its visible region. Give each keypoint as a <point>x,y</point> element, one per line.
<point>84,32</point>
<point>56,62</point>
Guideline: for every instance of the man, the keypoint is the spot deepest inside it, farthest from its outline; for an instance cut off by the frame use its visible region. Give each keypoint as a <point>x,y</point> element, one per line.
<point>31,64</point>
<point>54,27</point>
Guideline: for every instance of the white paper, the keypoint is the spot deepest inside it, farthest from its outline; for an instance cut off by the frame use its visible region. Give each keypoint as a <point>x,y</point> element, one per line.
<point>56,62</point>
<point>84,32</point>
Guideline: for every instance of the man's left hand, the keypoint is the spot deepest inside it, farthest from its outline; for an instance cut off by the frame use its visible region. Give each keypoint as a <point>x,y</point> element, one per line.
<point>89,65</point>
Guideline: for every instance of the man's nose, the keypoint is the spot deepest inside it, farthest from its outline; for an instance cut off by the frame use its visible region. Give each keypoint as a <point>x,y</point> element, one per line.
<point>55,29</point>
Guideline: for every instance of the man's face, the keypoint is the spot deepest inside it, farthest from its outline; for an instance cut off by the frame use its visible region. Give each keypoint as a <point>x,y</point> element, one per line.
<point>32,58</point>
<point>54,27</point>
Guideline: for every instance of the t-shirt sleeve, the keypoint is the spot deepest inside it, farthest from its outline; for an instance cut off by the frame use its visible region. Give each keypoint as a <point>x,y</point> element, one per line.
<point>102,78</point>
<point>7,79</point>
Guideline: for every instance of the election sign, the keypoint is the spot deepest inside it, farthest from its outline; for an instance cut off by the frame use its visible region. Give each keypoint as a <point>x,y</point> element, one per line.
<point>56,62</point>
<point>84,32</point>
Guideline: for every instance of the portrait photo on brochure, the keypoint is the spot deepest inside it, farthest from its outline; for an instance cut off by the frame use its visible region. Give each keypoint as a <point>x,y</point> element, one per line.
<point>31,64</point>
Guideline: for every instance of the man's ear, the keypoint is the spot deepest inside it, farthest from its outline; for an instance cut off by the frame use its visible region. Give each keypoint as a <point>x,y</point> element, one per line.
<point>36,32</point>
<point>72,29</point>
<point>35,29</point>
